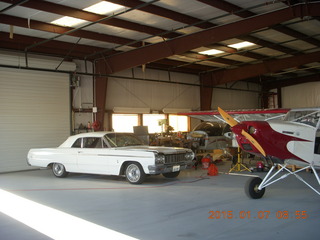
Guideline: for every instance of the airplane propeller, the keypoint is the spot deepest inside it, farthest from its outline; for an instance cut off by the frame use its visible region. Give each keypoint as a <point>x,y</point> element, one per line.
<point>232,122</point>
<point>254,142</point>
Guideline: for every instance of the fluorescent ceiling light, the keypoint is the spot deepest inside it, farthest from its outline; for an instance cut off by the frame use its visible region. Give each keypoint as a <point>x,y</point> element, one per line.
<point>211,52</point>
<point>68,21</point>
<point>241,45</point>
<point>103,8</point>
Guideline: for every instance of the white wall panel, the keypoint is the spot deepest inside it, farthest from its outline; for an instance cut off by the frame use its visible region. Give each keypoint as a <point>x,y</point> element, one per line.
<point>153,95</point>
<point>302,95</point>
<point>231,99</point>
<point>34,112</point>
<point>19,60</point>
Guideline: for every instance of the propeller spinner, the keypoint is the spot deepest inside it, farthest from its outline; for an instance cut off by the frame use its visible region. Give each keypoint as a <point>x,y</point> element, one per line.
<point>232,122</point>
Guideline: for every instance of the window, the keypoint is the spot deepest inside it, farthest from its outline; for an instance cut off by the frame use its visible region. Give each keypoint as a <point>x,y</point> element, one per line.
<point>124,122</point>
<point>153,121</point>
<point>122,140</point>
<point>308,117</point>
<point>77,143</point>
<point>156,123</point>
<point>92,142</point>
<point>179,123</point>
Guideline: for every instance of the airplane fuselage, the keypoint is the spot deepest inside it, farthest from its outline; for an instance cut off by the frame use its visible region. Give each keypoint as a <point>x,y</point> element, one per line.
<point>294,140</point>
<point>281,140</point>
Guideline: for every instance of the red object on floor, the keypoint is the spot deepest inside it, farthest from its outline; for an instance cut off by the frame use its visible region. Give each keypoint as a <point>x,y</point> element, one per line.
<point>205,162</point>
<point>260,166</point>
<point>213,170</point>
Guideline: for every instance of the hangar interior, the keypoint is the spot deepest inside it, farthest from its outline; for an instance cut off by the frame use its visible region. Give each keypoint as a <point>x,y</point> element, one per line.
<point>74,66</point>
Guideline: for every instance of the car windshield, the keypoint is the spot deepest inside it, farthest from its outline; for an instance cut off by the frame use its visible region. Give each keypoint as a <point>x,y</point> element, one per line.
<point>122,140</point>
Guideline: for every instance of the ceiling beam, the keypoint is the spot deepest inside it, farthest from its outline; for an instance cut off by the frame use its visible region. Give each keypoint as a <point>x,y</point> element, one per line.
<point>163,12</point>
<point>93,17</point>
<point>228,7</point>
<point>268,44</point>
<point>186,43</point>
<point>183,18</point>
<point>13,5</point>
<point>251,70</point>
<point>236,10</point>
<point>152,9</point>
<point>47,27</point>
<point>62,49</point>
<point>296,34</point>
<point>289,82</point>
<point>197,56</point>
<point>57,48</point>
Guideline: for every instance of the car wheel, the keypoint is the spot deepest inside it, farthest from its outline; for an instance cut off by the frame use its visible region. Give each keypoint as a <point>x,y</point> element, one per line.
<point>59,170</point>
<point>171,174</point>
<point>134,173</point>
<point>251,188</point>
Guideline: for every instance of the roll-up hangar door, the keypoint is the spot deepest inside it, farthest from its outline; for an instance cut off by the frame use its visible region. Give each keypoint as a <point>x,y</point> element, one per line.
<point>34,113</point>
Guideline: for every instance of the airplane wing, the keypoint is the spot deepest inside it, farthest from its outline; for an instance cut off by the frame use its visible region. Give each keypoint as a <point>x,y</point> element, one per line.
<point>239,115</point>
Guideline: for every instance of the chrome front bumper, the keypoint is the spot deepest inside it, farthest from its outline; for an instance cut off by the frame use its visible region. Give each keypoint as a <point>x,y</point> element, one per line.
<point>165,168</point>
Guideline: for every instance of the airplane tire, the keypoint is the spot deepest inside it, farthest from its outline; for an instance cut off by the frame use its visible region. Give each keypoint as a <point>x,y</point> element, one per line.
<point>251,188</point>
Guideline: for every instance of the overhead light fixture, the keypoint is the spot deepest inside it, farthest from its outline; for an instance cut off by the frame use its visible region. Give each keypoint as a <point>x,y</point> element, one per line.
<point>68,21</point>
<point>211,52</point>
<point>103,8</point>
<point>131,110</point>
<point>241,45</point>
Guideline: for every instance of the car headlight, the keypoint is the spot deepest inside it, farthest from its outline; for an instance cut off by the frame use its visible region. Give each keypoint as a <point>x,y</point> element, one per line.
<point>160,159</point>
<point>189,156</point>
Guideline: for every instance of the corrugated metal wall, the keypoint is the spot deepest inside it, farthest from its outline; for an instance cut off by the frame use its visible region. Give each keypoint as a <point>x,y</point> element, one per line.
<point>302,95</point>
<point>34,112</point>
<point>152,94</point>
<point>231,99</point>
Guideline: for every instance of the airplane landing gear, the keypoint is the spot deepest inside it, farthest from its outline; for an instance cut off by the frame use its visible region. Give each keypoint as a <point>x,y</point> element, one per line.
<point>255,187</point>
<point>252,188</point>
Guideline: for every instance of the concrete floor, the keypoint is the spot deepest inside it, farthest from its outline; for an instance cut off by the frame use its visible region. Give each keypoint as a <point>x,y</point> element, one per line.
<point>169,208</point>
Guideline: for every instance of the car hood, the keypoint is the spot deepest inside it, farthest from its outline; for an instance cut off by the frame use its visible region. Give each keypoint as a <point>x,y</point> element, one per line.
<point>165,150</point>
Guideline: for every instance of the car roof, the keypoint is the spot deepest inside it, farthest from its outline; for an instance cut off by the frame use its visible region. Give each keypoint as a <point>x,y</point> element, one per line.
<point>90,134</point>
<point>70,140</point>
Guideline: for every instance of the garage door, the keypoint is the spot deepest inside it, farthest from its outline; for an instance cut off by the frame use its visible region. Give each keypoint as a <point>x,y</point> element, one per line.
<point>34,112</point>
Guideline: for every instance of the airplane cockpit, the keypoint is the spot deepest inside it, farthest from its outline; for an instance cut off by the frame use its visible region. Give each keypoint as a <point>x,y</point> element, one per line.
<point>308,117</point>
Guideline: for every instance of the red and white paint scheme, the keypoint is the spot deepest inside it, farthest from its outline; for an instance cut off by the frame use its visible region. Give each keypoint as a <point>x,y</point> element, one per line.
<point>292,140</point>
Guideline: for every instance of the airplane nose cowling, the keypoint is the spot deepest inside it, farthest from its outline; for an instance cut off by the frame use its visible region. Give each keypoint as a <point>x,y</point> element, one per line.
<point>241,131</point>
<point>237,129</point>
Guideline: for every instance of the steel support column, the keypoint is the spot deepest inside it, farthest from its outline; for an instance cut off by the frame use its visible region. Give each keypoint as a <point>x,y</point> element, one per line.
<point>205,92</point>
<point>101,84</point>
<point>279,97</point>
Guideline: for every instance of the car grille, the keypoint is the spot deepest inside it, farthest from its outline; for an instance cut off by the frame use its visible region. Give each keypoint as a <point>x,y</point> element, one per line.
<point>175,158</point>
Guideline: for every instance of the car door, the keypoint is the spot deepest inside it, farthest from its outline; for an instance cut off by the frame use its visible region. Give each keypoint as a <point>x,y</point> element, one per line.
<point>93,157</point>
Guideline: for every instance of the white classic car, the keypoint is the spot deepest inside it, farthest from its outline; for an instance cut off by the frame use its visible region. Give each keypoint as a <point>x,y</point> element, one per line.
<point>111,153</point>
